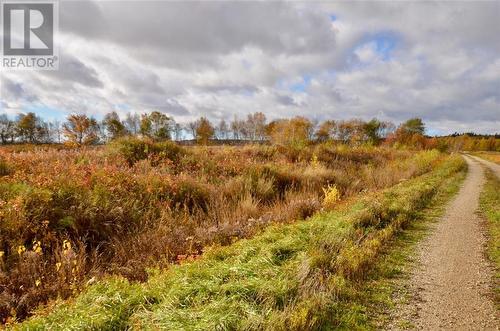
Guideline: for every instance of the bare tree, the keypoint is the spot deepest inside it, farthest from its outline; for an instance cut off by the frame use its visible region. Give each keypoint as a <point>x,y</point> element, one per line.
<point>133,123</point>
<point>256,126</point>
<point>192,127</point>
<point>177,131</point>
<point>7,129</point>
<point>222,130</point>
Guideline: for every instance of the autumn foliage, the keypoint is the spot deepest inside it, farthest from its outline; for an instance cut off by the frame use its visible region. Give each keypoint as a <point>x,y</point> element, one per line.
<point>69,215</point>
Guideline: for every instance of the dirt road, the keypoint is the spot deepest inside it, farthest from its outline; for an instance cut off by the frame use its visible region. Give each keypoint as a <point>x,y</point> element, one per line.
<point>451,286</point>
<point>493,166</point>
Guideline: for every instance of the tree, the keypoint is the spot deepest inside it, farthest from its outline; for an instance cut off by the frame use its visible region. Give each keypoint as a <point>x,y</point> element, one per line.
<point>372,130</point>
<point>80,129</point>
<point>156,125</point>
<point>161,125</point>
<point>26,127</point>
<point>255,126</point>
<point>133,123</point>
<point>222,130</point>
<point>410,132</point>
<point>42,132</point>
<point>204,131</point>
<point>177,131</point>
<point>325,131</point>
<point>414,126</point>
<point>114,127</point>
<point>31,128</point>
<point>238,128</point>
<point>55,131</point>
<point>293,132</point>
<point>350,131</point>
<point>145,126</point>
<point>192,127</point>
<point>7,129</point>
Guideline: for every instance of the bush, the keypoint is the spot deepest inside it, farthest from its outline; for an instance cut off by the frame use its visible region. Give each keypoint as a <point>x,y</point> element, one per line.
<point>134,149</point>
<point>332,195</point>
<point>168,149</point>
<point>5,169</point>
<point>192,194</point>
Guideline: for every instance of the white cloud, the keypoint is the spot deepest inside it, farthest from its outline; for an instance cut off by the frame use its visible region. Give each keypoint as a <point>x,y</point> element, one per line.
<point>219,59</point>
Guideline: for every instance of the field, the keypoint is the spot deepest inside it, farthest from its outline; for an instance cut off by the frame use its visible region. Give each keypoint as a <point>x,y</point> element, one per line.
<point>298,276</point>
<point>72,216</point>
<point>489,155</point>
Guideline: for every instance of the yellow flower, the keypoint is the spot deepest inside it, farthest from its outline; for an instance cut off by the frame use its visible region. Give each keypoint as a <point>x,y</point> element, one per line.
<point>332,195</point>
<point>37,247</point>
<point>21,249</point>
<point>58,266</point>
<point>38,282</point>
<point>314,161</point>
<point>66,246</point>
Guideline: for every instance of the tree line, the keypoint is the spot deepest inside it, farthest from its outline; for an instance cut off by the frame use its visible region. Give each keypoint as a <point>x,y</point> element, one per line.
<point>80,129</point>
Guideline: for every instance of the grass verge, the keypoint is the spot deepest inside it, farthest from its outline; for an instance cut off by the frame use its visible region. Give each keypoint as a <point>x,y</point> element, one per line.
<point>489,156</point>
<point>303,276</point>
<point>387,288</point>
<point>490,207</point>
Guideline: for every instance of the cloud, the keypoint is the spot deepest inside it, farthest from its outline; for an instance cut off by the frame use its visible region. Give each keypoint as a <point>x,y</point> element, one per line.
<point>14,91</point>
<point>393,60</point>
<point>73,70</point>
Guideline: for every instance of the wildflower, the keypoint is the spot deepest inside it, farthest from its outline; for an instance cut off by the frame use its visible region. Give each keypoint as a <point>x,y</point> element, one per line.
<point>66,246</point>
<point>314,161</point>
<point>332,195</point>
<point>21,249</point>
<point>38,282</point>
<point>37,247</point>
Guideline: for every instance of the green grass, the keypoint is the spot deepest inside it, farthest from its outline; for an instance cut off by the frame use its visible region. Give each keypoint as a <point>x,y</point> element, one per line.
<point>308,275</point>
<point>490,207</point>
<point>386,288</point>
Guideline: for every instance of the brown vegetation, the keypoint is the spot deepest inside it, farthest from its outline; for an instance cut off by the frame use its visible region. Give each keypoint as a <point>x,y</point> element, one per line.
<point>72,214</point>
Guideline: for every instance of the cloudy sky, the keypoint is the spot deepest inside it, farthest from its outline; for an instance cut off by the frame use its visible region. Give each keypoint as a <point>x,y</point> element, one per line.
<point>327,60</point>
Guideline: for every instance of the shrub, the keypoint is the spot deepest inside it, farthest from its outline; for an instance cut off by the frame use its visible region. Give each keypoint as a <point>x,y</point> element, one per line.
<point>191,194</point>
<point>134,149</point>
<point>5,169</point>
<point>332,195</point>
<point>168,149</point>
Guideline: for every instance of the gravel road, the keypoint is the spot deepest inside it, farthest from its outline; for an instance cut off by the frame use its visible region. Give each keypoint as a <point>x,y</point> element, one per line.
<point>451,287</point>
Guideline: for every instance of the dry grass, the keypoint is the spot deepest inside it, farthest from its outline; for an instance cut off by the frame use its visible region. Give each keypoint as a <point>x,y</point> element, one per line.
<point>302,276</point>
<point>490,156</point>
<point>137,205</point>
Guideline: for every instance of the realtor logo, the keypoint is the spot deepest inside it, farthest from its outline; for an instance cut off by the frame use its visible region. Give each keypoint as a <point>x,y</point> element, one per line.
<point>28,35</point>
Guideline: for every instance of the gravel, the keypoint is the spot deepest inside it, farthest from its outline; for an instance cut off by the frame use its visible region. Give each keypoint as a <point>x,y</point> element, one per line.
<point>450,289</point>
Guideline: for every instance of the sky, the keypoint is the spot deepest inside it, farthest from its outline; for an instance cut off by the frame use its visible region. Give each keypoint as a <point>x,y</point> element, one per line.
<point>325,60</point>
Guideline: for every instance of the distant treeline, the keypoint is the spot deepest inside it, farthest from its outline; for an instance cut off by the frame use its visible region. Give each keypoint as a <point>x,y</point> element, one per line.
<point>79,129</point>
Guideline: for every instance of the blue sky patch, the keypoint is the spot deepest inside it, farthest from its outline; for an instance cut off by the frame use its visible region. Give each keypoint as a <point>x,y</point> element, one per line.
<point>301,86</point>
